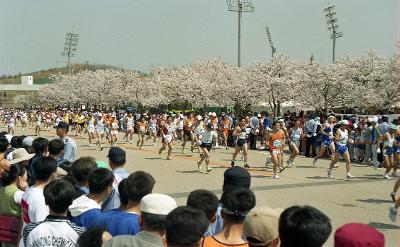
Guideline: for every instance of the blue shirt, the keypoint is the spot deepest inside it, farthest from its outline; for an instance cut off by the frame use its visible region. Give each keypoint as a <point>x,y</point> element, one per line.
<point>119,222</point>
<point>267,123</point>
<point>87,219</point>
<point>218,224</point>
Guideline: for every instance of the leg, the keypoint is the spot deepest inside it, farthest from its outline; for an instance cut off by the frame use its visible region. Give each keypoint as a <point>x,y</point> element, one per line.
<point>346,157</point>
<point>275,162</point>
<point>245,154</point>
<point>169,151</point>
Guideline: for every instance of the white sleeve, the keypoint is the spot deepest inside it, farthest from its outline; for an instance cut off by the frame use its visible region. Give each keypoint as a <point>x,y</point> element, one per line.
<point>18,196</point>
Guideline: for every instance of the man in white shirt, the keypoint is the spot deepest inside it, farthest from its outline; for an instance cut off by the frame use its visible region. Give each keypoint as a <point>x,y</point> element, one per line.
<point>33,206</point>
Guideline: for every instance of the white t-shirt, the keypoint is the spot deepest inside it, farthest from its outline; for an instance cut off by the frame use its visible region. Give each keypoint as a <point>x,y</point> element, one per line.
<point>33,206</point>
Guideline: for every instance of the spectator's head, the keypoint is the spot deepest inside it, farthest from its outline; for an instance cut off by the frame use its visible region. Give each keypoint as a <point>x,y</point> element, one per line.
<point>62,129</point>
<point>358,235</point>
<point>20,155</point>
<point>116,157</point>
<point>14,174</point>
<point>94,237</point>
<point>236,205</point>
<point>260,227</point>
<point>19,141</point>
<point>303,226</point>
<point>40,145</point>
<point>14,142</point>
<point>138,185</point>
<point>27,143</point>
<point>81,169</point>
<point>236,178</point>
<point>3,144</point>
<point>185,227</point>
<point>204,200</point>
<point>123,195</point>
<point>56,148</point>
<point>45,169</point>
<point>59,195</point>
<point>100,182</point>
<point>154,209</point>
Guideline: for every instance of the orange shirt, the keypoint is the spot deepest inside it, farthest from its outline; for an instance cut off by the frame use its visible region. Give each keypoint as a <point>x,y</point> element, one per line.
<point>210,241</point>
<point>225,125</point>
<point>276,139</point>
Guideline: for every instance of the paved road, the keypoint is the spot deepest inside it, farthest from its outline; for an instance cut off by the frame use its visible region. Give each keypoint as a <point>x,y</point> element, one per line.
<point>363,199</point>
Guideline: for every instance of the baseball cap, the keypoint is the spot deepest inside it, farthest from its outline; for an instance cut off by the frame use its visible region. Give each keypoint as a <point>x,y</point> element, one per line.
<point>157,204</point>
<point>261,225</point>
<point>214,114</point>
<point>117,155</point>
<point>63,125</point>
<point>358,235</point>
<point>236,177</point>
<point>27,141</point>
<point>344,122</point>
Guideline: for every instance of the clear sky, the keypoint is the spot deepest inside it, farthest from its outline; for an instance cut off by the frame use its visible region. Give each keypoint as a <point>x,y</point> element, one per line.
<point>141,34</point>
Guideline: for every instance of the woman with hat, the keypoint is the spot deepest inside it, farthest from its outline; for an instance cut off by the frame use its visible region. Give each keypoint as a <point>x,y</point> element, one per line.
<point>388,149</point>
<point>205,143</point>
<point>341,139</point>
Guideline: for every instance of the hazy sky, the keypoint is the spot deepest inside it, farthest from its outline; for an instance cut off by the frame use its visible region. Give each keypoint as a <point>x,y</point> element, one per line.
<point>141,34</point>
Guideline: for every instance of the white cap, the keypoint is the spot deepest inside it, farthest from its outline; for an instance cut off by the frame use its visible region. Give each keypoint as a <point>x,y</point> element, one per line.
<point>157,204</point>
<point>345,122</point>
<point>258,115</point>
<point>27,141</point>
<point>9,137</point>
<point>199,117</point>
<point>374,119</point>
<point>210,114</point>
<point>214,114</point>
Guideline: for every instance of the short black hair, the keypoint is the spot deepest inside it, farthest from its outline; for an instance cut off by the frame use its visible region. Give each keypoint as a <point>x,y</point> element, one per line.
<point>138,185</point>
<point>59,195</point>
<point>155,222</point>
<point>44,167</point>
<point>82,167</point>
<point>123,195</point>
<point>185,226</point>
<point>40,144</point>
<point>3,144</point>
<point>204,200</point>
<point>237,203</point>
<point>56,146</point>
<point>14,142</point>
<point>19,140</point>
<point>92,237</point>
<point>99,180</point>
<point>303,226</point>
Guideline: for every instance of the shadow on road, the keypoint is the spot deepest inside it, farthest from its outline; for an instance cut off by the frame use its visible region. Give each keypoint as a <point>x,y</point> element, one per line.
<point>374,201</point>
<point>383,226</point>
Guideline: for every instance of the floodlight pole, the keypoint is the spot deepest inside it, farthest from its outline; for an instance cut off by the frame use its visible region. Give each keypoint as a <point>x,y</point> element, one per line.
<point>331,21</point>
<point>240,6</point>
<point>71,42</point>
<point>273,49</point>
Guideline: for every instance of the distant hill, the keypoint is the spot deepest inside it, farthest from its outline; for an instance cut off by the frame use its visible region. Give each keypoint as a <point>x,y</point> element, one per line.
<point>42,76</point>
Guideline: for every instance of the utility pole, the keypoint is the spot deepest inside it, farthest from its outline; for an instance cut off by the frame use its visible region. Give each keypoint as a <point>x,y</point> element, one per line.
<point>240,6</point>
<point>71,42</point>
<point>331,21</point>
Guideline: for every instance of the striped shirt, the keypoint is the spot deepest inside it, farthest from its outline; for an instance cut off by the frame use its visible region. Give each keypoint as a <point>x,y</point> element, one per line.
<point>53,231</point>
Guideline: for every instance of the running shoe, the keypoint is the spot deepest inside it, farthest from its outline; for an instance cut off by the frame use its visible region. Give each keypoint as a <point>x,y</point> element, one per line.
<point>90,145</point>
<point>386,176</point>
<point>209,169</point>
<point>183,151</point>
<point>232,163</point>
<point>276,176</point>
<point>246,166</point>
<point>392,213</point>
<point>101,148</point>
<point>315,162</point>
<point>349,176</point>
<point>330,175</point>
<point>289,163</point>
<point>160,151</point>
<point>393,195</point>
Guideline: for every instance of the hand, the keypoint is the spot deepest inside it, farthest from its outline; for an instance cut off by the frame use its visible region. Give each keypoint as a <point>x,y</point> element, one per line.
<point>378,150</point>
<point>22,185</point>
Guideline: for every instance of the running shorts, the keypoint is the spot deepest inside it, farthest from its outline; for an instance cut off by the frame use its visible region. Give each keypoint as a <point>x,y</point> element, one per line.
<point>208,146</point>
<point>341,149</point>
<point>388,151</point>
<point>241,142</point>
<point>188,133</point>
